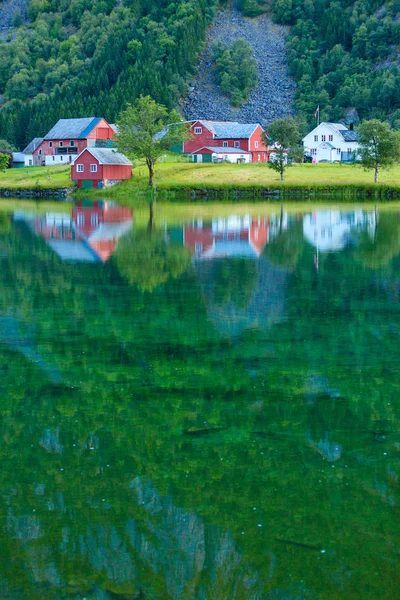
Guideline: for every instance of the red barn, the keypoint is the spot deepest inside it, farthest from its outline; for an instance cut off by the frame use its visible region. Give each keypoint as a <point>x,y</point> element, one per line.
<point>69,137</point>
<point>221,135</point>
<point>100,167</point>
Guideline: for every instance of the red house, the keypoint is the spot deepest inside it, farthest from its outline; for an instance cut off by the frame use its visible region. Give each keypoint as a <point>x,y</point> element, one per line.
<point>69,137</point>
<point>100,167</point>
<point>227,139</point>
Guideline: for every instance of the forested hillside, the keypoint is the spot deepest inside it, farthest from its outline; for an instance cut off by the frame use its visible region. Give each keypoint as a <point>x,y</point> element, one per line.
<point>344,54</point>
<point>75,58</point>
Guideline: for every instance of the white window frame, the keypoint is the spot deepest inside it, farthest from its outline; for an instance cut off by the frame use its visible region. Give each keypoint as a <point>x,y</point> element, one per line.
<point>323,138</point>
<point>338,151</point>
<point>94,219</point>
<point>50,144</point>
<point>80,168</point>
<point>330,138</point>
<point>224,144</point>
<point>236,144</point>
<point>80,219</point>
<point>61,144</point>
<point>72,142</point>
<point>93,168</point>
<point>315,138</point>
<point>255,144</point>
<point>198,130</point>
<point>40,151</point>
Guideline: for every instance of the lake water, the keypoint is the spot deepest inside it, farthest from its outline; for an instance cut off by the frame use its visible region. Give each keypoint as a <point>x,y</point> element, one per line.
<point>207,410</point>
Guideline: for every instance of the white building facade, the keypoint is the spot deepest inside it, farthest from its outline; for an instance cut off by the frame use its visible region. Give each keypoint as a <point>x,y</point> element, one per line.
<point>331,142</point>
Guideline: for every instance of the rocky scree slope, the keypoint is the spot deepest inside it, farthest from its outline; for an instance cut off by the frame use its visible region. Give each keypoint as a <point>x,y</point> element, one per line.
<point>273,96</point>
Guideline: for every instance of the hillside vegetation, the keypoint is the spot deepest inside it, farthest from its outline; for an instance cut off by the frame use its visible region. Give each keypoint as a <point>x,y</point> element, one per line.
<point>76,58</point>
<point>344,54</point>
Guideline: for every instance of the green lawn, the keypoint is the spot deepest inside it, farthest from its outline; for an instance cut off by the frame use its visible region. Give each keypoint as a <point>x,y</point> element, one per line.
<point>187,175</point>
<point>36,177</point>
<point>177,174</point>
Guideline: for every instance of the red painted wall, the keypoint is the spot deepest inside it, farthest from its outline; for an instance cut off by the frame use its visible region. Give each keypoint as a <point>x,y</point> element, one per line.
<point>256,137</point>
<point>102,131</point>
<point>117,172</point>
<point>86,160</point>
<point>198,141</point>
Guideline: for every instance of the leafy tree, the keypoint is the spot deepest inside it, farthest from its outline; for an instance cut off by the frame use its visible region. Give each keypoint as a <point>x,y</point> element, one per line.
<point>236,70</point>
<point>6,146</point>
<point>147,130</point>
<point>4,161</point>
<point>284,135</point>
<point>380,145</point>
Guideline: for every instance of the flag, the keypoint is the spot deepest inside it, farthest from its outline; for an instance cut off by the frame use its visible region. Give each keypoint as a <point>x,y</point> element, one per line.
<point>316,114</point>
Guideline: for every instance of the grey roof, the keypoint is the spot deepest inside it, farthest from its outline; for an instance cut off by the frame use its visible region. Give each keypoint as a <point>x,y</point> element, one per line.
<point>349,135</point>
<point>73,250</point>
<point>222,150</point>
<point>71,128</point>
<point>230,129</point>
<point>327,144</point>
<point>32,145</point>
<point>18,157</point>
<point>108,156</point>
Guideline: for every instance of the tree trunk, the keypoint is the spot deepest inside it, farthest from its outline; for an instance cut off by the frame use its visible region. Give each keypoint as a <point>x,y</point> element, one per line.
<point>376,173</point>
<point>150,166</point>
<point>282,176</point>
<point>151,216</point>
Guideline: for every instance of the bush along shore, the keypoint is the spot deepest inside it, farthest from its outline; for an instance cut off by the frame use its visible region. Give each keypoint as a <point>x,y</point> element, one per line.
<point>37,193</point>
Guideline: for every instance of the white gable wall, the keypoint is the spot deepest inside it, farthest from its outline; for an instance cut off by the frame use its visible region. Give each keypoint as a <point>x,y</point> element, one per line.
<point>318,140</point>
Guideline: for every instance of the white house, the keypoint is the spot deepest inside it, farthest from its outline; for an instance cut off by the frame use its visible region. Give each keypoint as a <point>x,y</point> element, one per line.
<point>28,152</point>
<point>331,142</point>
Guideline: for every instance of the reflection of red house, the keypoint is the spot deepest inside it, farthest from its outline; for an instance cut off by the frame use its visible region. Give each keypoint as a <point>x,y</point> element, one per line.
<point>100,167</point>
<point>91,235</point>
<point>244,237</point>
<point>230,135</point>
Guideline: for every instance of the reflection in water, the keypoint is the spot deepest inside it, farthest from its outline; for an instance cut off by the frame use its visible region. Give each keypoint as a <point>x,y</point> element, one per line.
<point>91,234</point>
<point>207,415</point>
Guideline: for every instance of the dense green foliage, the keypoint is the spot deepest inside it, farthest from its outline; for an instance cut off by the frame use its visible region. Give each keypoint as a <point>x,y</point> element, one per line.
<point>380,146</point>
<point>207,438</point>
<point>147,130</point>
<point>81,58</point>
<point>344,54</point>
<point>235,70</point>
<point>251,8</point>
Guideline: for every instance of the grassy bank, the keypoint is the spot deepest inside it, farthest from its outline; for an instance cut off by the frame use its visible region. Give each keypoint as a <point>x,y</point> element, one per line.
<point>195,179</point>
<point>36,178</point>
<point>320,178</point>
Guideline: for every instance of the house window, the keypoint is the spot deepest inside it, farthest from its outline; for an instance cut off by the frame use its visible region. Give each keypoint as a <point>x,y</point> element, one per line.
<point>79,168</point>
<point>349,150</point>
<point>338,151</point>
<point>236,144</point>
<point>80,219</point>
<point>255,144</point>
<point>313,151</point>
<point>94,219</point>
<point>93,168</point>
<point>198,130</point>
<point>61,158</point>
<point>54,158</point>
<point>50,144</point>
<point>315,138</point>
<point>40,152</point>
<point>323,138</point>
<point>72,143</point>
<point>61,144</point>
<point>224,144</point>
<point>330,138</point>
<point>30,162</point>
<point>259,157</point>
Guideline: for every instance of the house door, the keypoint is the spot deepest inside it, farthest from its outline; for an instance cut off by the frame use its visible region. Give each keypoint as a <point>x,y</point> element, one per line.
<point>207,158</point>
<point>194,158</point>
<point>87,184</point>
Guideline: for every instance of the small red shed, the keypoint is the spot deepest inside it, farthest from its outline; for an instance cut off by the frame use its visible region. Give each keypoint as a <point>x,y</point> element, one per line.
<point>100,167</point>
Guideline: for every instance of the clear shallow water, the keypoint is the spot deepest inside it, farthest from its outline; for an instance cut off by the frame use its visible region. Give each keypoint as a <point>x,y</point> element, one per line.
<point>207,410</point>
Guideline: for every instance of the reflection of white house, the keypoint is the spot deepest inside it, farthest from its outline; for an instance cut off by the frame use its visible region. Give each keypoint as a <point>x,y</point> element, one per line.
<point>330,142</point>
<point>330,230</point>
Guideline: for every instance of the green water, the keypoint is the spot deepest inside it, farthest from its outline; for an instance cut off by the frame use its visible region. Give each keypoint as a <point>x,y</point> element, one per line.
<point>207,410</point>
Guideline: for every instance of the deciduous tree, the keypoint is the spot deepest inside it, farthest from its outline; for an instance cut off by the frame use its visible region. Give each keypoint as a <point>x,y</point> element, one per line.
<point>380,145</point>
<point>284,135</point>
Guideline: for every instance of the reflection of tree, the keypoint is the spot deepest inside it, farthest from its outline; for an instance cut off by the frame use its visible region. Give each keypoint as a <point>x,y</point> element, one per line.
<point>235,281</point>
<point>285,248</point>
<point>378,252</point>
<point>5,223</point>
<point>145,259</point>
